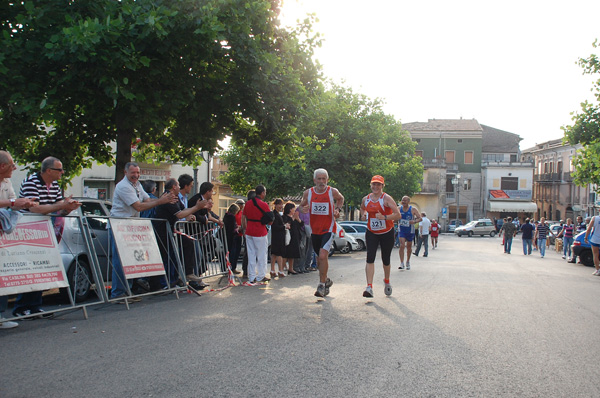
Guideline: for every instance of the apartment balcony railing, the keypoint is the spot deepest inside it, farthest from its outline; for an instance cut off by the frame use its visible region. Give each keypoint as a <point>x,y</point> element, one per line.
<point>485,163</point>
<point>567,176</point>
<point>434,162</point>
<point>548,177</point>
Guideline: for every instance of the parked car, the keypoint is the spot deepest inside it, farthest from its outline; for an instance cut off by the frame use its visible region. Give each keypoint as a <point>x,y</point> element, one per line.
<point>357,230</point>
<point>481,227</point>
<point>582,250</point>
<point>342,242</point>
<point>452,225</point>
<point>74,252</point>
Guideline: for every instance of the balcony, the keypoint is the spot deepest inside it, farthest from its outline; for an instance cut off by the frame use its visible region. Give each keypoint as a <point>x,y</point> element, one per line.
<point>430,163</point>
<point>485,163</point>
<point>548,177</point>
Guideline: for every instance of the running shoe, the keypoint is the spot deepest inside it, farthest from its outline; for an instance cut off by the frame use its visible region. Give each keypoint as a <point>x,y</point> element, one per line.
<point>387,289</point>
<point>401,266</point>
<point>368,292</point>
<point>320,290</point>
<point>408,265</point>
<point>328,284</point>
<point>597,273</point>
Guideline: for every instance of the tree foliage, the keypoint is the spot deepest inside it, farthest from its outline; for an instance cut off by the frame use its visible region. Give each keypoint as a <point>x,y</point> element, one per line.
<point>343,132</point>
<point>585,129</point>
<point>172,76</point>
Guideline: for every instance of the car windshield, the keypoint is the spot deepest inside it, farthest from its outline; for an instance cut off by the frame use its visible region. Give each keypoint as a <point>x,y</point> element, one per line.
<point>471,224</point>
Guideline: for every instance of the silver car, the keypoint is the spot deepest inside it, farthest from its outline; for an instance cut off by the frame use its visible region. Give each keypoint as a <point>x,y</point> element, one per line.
<point>74,252</point>
<point>357,230</point>
<point>342,242</point>
<point>479,227</point>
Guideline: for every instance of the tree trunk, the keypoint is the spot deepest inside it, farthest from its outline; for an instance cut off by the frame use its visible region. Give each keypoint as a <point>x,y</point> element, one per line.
<point>124,141</point>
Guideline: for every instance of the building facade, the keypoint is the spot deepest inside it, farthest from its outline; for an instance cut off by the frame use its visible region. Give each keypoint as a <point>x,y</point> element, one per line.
<point>466,165</point>
<point>556,195</point>
<point>507,181</point>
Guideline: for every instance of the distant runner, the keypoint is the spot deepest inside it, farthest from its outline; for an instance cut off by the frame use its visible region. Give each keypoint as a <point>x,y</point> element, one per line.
<point>409,216</point>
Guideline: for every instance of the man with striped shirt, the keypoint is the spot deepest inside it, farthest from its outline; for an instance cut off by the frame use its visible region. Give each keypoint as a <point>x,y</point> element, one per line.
<point>43,188</point>
<point>541,233</point>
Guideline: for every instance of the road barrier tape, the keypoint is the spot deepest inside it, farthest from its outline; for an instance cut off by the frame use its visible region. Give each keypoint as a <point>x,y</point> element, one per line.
<point>203,233</point>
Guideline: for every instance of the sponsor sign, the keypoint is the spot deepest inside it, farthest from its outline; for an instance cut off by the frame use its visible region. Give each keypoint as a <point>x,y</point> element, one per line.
<point>30,259</point>
<point>137,247</point>
<point>510,194</point>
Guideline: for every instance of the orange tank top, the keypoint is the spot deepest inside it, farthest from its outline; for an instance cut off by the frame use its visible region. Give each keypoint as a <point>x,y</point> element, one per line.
<point>321,211</point>
<point>376,206</point>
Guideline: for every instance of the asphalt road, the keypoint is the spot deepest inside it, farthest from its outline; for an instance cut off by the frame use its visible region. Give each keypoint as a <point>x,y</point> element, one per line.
<point>467,321</point>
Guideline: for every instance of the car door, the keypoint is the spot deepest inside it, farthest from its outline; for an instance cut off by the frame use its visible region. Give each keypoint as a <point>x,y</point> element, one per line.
<point>96,215</point>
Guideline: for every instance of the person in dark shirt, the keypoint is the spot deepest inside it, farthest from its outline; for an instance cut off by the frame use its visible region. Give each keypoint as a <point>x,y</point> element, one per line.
<point>173,212</point>
<point>510,230</point>
<point>527,237</point>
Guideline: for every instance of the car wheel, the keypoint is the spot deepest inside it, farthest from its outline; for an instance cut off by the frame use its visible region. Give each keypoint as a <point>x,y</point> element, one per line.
<point>361,245</point>
<point>493,233</point>
<point>459,234</point>
<point>346,249</point>
<point>80,281</point>
<point>587,258</point>
<point>470,233</point>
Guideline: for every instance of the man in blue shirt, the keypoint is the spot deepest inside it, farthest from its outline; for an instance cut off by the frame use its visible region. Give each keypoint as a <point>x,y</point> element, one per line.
<point>527,237</point>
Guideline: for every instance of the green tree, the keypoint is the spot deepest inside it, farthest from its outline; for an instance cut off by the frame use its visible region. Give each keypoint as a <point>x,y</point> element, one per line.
<point>172,76</point>
<point>343,132</point>
<point>585,129</point>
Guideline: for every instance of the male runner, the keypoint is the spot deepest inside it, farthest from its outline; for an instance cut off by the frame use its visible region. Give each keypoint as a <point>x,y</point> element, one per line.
<point>323,203</point>
<point>380,211</point>
<point>409,216</point>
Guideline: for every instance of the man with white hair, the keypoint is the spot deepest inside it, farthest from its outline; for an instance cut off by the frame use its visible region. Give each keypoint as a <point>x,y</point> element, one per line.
<point>323,203</point>
<point>8,200</point>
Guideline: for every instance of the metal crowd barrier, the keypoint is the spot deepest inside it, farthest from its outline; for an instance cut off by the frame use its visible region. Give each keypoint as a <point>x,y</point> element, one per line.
<point>78,256</point>
<point>45,253</point>
<point>149,241</point>
<point>211,252</point>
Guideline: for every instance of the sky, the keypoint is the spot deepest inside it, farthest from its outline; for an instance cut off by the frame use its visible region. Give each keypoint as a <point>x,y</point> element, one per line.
<point>511,65</point>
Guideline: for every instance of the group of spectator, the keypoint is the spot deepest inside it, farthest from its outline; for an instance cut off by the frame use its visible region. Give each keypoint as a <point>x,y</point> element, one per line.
<point>535,234</point>
<point>40,194</point>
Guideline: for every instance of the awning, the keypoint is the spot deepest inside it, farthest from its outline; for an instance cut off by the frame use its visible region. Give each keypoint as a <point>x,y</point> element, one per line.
<point>512,206</point>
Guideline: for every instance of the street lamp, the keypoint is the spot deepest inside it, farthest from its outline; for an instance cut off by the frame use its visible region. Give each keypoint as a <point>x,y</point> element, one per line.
<point>456,183</point>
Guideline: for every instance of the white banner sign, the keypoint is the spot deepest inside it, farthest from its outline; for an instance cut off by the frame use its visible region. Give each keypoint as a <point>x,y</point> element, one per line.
<point>137,247</point>
<point>29,258</point>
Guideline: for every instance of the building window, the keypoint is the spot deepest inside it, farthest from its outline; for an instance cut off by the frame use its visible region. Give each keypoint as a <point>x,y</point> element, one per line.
<point>513,158</point>
<point>96,189</point>
<point>419,153</point>
<point>509,183</point>
<point>493,157</point>
<point>460,140</point>
<point>449,156</point>
<point>467,184</point>
<point>468,157</point>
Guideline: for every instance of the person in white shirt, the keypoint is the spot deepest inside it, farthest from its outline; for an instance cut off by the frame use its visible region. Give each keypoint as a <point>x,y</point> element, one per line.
<point>424,227</point>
